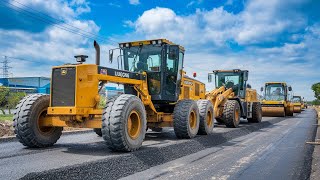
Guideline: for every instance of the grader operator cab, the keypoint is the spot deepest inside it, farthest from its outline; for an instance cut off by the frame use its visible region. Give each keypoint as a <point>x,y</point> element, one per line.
<point>297,104</point>
<point>233,98</point>
<point>157,93</point>
<point>276,101</point>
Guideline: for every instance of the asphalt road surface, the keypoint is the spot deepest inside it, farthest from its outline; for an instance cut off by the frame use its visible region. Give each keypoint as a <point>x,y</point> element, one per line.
<point>273,149</point>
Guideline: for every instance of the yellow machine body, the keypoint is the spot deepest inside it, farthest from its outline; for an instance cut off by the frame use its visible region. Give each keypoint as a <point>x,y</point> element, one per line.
<point>85,113</point>
<point>271,107</point>
<point>297,103</point>
<point>220,95</point>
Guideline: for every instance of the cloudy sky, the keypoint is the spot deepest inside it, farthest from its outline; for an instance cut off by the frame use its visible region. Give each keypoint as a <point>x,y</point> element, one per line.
<point>275,40</point>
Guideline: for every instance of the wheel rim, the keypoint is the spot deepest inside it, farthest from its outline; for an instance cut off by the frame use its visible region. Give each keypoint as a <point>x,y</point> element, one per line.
<point>193,120</point>
<point>44,130</point>
<point>209,119</point>
<point>134,125</point>
<point>237,115</point>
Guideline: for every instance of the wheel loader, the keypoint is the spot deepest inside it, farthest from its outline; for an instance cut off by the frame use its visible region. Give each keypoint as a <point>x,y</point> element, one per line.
<point>233,98</point>
<point>297,104</point>
<point>276,99</point>
<point>157,93</point>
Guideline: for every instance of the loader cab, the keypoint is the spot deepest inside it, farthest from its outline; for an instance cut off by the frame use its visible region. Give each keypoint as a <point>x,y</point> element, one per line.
<point>276,92</point>
<point>235,79</point>
<point>162,61</point>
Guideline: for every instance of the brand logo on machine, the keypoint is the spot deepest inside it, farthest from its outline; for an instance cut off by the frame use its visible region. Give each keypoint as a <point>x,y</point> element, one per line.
<point>121,74</point>
<point>64,71</point>
<point>188,83</point>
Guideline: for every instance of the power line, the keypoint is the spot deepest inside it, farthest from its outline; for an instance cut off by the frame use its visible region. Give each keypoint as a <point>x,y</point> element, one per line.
<point>39,17</point>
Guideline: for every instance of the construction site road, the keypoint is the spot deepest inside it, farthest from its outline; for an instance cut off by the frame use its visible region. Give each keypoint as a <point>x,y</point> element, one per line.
<point>273,149</point>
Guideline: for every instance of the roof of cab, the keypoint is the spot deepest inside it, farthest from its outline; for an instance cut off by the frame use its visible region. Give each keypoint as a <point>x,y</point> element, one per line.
<point>148,42</point>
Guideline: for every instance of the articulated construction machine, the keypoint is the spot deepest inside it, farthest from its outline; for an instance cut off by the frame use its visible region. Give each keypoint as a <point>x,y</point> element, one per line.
<point>233,98</point>
<point>276,101</point>
<point>157,93</point>
<point>297,104</point>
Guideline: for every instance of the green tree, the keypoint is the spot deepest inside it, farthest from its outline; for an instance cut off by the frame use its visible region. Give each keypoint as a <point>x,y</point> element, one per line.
<point>14,98</point>
<point>316,89</point>
<point>4,92</point>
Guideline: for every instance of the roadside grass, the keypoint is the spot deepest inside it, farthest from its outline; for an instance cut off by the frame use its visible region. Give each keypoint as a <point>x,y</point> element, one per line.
<point>6,117</point>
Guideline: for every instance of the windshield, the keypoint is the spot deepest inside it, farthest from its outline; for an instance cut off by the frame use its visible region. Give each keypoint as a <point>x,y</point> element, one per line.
<point>229,80</point>
<point>296,99</point>
<point>144,58</point>
<point>275,92</point>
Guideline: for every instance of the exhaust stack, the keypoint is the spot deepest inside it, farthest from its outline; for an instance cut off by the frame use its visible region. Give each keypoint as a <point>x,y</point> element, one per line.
<point>97,47</point>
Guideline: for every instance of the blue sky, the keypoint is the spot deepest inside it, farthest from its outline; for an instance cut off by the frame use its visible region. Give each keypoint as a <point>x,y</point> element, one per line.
<point>275,40</point>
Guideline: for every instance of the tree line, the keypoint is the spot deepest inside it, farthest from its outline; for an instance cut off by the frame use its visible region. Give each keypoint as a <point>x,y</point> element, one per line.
<point>9,99</point>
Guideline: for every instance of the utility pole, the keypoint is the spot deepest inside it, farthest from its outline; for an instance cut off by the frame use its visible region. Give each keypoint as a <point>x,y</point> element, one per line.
<point>5,67</point>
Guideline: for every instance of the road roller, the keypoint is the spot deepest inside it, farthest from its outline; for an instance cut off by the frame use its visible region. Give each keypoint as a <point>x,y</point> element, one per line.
<point>297,104</point>
<point>276,100</point>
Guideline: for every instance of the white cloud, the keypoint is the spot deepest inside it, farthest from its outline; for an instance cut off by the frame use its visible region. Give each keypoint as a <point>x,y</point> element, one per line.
<point>134,2</point>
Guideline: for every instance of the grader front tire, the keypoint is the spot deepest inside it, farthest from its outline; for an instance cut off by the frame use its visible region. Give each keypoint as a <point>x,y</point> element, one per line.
<point>27,119</point>
<point>186,119</point>
<point>232,113</point>
<point>124,123</point>
<point>206,117</point>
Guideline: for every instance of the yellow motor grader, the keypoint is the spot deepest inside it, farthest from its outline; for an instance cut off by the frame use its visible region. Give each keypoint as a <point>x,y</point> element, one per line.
<point>157,93</point>
<point>297,104</point>
<point>276,100</point>
<point>233,98</point>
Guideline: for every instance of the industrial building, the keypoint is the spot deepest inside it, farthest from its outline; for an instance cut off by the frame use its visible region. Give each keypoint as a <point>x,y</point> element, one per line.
<point>27,84</point>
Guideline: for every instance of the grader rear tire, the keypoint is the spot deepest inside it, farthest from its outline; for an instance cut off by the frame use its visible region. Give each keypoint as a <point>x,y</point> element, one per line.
<point>186,119</point>
<point>206,117</point>
<point>98,131</point>
<point>26,121</point>
<point>232,113</point>
<point>256,113</point>
<point>124,123</point>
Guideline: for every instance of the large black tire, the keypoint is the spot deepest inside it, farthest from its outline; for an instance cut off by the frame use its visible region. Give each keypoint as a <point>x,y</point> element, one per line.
<point>206,114</point>
<point>186,119</point>
<point>26,122</point>
<point>256,113</point>
<point>115,123</point>
<point>232,113</point>
<point>98,131</point>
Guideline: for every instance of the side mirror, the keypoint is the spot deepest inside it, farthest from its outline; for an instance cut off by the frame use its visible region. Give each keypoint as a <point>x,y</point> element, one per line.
<point>290,88</point>
<point>174,52</point>
<point>110,55</point>
<point>261,89</point>
<point>209,78</point>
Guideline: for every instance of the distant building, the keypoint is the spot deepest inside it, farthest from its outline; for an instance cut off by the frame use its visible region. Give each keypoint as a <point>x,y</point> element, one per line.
<point>27,84</point>
<point>42,85</point>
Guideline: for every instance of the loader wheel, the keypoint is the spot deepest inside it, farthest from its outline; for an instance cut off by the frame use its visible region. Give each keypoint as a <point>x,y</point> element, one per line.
<point>98,131</point>
<point>231,113</point>
<point>29,113</point>
<point>256,113</point>
<point>206,117</point>
<point>124,123</point>
<point>186,119</point>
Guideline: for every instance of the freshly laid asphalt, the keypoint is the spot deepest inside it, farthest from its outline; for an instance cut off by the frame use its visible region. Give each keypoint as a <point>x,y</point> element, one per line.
<point>273,149</point>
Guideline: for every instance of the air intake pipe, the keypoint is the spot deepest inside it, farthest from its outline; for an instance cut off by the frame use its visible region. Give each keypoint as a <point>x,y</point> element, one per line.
<point>97,47</point>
